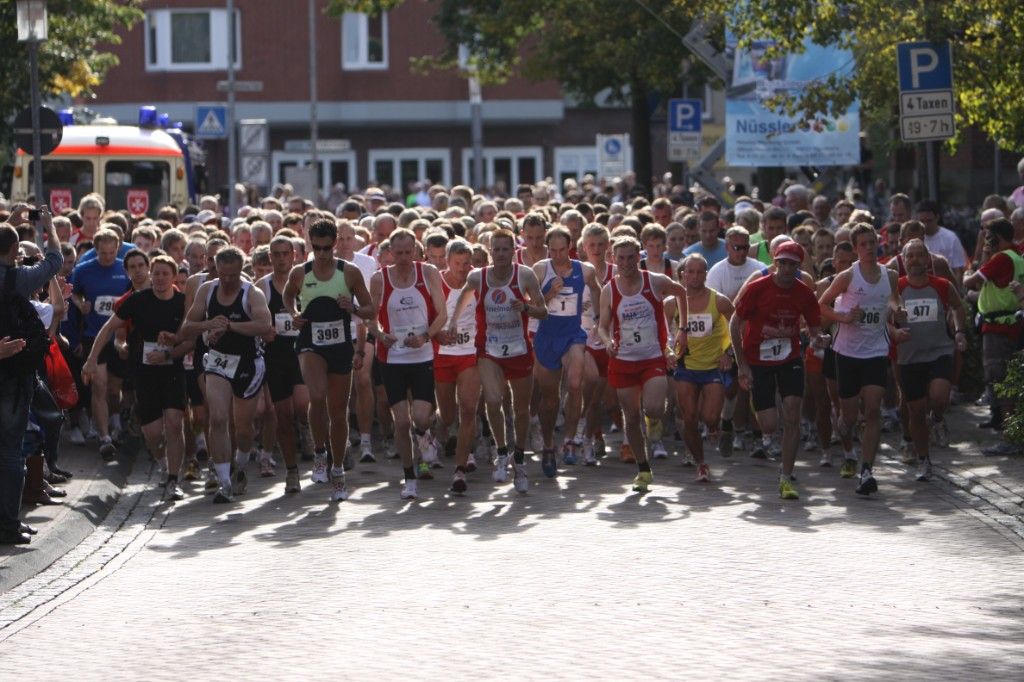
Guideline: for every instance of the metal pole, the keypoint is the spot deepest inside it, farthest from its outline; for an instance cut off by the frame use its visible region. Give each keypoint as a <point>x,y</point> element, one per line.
<point>37,146</point>
<point>933,185</point>
<point>314,126</point>
<point>232,141</point>
<point>477,132</point>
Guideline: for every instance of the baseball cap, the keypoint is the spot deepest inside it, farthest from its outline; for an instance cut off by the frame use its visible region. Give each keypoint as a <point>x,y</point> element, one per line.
<point>790,251</point>
<point>205,216</point>
<point>375,194</point>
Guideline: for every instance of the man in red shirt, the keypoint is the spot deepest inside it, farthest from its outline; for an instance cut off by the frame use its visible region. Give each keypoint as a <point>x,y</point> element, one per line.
<point>766,327</point>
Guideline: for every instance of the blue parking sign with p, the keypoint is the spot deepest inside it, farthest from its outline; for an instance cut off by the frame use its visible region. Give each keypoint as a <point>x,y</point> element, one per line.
<point>924,66</point>
<point>684,116</point>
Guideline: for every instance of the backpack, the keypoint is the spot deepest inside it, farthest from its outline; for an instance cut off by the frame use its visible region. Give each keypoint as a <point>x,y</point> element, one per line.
<point>19,320</point>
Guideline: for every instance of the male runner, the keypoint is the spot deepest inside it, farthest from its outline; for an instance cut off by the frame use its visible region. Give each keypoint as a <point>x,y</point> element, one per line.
<point>595,364</point>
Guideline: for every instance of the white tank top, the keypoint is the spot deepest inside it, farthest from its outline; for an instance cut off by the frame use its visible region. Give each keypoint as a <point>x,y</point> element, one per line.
<point>593,339</point>
<point>407,314</point>
<point>869,338</point>
<point>504,336</point>
<point>639,320</point>
<point>465,330</point>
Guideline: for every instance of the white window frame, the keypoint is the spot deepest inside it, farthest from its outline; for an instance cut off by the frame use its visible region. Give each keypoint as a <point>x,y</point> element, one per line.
<point>575,160</point>
<point>537,153</point>
<point>363,63</point>
<point>420,155</point>
<point>161,20</point>
<point>324,159</point>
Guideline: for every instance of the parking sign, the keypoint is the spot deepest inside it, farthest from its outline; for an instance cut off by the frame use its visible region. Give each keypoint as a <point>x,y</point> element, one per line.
<point>685,121</point>
<point>925,72</point>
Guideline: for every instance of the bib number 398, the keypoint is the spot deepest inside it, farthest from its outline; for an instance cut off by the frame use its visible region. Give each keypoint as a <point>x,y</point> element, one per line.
<point>328,333</point>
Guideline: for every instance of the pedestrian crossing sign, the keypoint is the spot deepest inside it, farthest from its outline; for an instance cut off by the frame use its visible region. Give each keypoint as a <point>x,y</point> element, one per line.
<point>211,121</point>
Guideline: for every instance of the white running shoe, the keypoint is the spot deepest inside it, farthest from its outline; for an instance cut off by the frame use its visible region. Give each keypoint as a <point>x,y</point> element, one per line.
<point>428,449</point>
<point>658,450</point>
<point>501,469</point>
<point>536,439</point>
<point>520,480</point>
<point>409,490</point>
<point>75,436</point>
<point>366,452</point>
<point>738,442</point>
<point>589,459</point>
<point>339,493</point>
<point>319,473</point>
<point>826,459</point>
<point>688,460</point>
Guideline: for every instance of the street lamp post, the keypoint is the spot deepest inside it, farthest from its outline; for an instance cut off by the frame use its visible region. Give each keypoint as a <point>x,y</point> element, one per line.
<point>32,29</point>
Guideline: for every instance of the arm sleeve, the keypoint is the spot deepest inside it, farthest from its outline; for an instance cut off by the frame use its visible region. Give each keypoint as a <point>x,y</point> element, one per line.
<point>998,270</point>
<point>31,279</point>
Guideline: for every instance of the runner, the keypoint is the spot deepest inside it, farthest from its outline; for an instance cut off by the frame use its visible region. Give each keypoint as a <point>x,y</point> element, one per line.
<point>411,311</point>
<point>632,326</point>
<point>766,327</point>
<point>559,342</point>
<point>288,393</point>
<point>234,315</point>
<point>595,363</point>
<point>926,357</point>
<point>869,300</point>
<point>456,378</point>
<point>321,296</point>
<point>155,356</point>
<point>507,294</point>
<point>701,376</point>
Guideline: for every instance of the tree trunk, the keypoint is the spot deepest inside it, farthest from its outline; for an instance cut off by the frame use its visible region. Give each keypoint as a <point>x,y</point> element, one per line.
<point>641,137</point>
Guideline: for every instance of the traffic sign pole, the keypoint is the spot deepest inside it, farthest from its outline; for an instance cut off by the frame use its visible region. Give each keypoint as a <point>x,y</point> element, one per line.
<point>232,142</point>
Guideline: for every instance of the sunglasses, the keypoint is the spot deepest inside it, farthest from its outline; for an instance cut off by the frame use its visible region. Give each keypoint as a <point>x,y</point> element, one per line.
<point>323,248</point>
<point>740,247</point>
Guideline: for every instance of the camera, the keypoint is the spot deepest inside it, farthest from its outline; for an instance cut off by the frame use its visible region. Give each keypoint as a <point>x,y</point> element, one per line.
<point>33,214</point>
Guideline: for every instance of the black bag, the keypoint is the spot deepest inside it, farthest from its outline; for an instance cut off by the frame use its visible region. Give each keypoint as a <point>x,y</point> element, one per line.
<point>19,320</point>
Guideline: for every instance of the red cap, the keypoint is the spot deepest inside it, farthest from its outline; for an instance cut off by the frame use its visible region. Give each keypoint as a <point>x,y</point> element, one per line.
<point>790,251</point>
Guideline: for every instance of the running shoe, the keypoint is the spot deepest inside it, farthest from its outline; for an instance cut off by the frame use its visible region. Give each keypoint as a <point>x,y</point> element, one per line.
<point>239,482</point>
<point>366,452</point>
<point>812,440</point>
<point>726,445</point>
<point>319,473</point>
<point>173,491</point>
<point>658,450</point>
<point>826,459</point>
<point>642,481</point>
<point>548,463</point>
<point>459,483</point>
<point>107,450</point>
<point>924,469</point>
<point>704,473</point>
<point>500,474</point>
<point>192,471</point>
<point>569,454</point>
<point>424,472</point>
<point>212,483</point>
<point>589,458</point>
<point>688,460</point>
<point>470,463</point>
<point>760,452</point>
<point>739,442</point>
<point>536,439</point>
<point>223,496</point>
<point>483,449</point>
<point>348,462</point>
<point>774,449</point>
<point>291,481</point>
<point>519,479</point>
<point>338,491</point>
<point>390,451</point>
<point>849,468</point>
<point>940,434</point>
<point>655,429</point>
<point>867,484</point>
<point>626,454</point>
<point>266,467</point>
<point>428,449</point>
<point>75,436</point>
<point>787,490</point>
<point>409,490</point>
<point>907,454</point>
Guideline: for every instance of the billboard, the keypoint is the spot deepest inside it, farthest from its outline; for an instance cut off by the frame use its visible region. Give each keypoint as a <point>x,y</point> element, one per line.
<point>758,136</point>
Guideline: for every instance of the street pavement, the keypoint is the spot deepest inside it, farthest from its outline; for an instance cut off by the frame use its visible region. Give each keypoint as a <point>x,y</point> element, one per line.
<point>580,578</point>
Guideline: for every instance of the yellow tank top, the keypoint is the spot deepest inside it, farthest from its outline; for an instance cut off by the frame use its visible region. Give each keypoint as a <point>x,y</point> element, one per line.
<point>707,336</point>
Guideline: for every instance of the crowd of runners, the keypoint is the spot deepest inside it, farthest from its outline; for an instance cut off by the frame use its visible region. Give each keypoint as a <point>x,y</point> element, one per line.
<point>501,338</point>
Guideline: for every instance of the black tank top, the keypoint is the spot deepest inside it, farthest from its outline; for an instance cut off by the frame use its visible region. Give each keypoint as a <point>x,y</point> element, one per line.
<point>233,343</point>
<point>275,301</point>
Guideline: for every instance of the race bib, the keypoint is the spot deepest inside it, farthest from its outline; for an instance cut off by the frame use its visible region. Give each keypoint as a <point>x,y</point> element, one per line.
<point>775,350</point>
<point>637,337</point>
<point>150,346</point>
<point>328,333</point>
<point>922,310</point>
<point>221,363</point>
<point>403,333</point>
<point>565,304</point>
<point>283,325</point>
<point>104,305</point>
<point>871,317</point>
<point>699,325</point>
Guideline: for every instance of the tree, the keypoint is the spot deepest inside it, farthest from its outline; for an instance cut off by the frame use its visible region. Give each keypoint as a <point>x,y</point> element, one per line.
<point>628,52</point>
<point>986,37</point>
<point>71,60</point>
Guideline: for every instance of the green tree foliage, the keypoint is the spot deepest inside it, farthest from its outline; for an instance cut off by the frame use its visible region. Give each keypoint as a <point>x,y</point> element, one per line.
<point>623,51</point>
<point>987,38</point>
<point>72,60</point>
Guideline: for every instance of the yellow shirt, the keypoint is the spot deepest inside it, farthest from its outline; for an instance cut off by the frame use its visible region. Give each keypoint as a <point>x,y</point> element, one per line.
<point>707,336</point>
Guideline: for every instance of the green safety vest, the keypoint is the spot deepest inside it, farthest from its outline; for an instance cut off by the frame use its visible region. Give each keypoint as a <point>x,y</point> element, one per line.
<point>764,253</point>
<point>998,305</point>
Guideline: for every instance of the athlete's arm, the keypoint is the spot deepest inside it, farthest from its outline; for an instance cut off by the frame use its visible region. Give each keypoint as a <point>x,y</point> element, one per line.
<point>825,301</point>
<point>468,289</point>
<point>259,316</point>
<point>377,295</point>
<point>590,280</point>
<point>290,295</point>
<point>433,280</point>
<point>107,331</point>
<point>604,321</point>
<point>736,334</point>
<point>357,285</point>
<point>664,286</point>
<point>191,286</point>
<point>194,324</point>
<point>528,282</point>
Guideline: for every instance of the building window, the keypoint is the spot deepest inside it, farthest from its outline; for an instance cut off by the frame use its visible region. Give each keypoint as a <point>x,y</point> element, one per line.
<point>401,168</point>
<point>364,41</point>
<point>575,162</point>
<point>505,167</point>
<point>190,40</point>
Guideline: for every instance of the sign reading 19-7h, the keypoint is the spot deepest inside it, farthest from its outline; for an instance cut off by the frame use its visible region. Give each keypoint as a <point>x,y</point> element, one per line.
<point>926,91</point>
